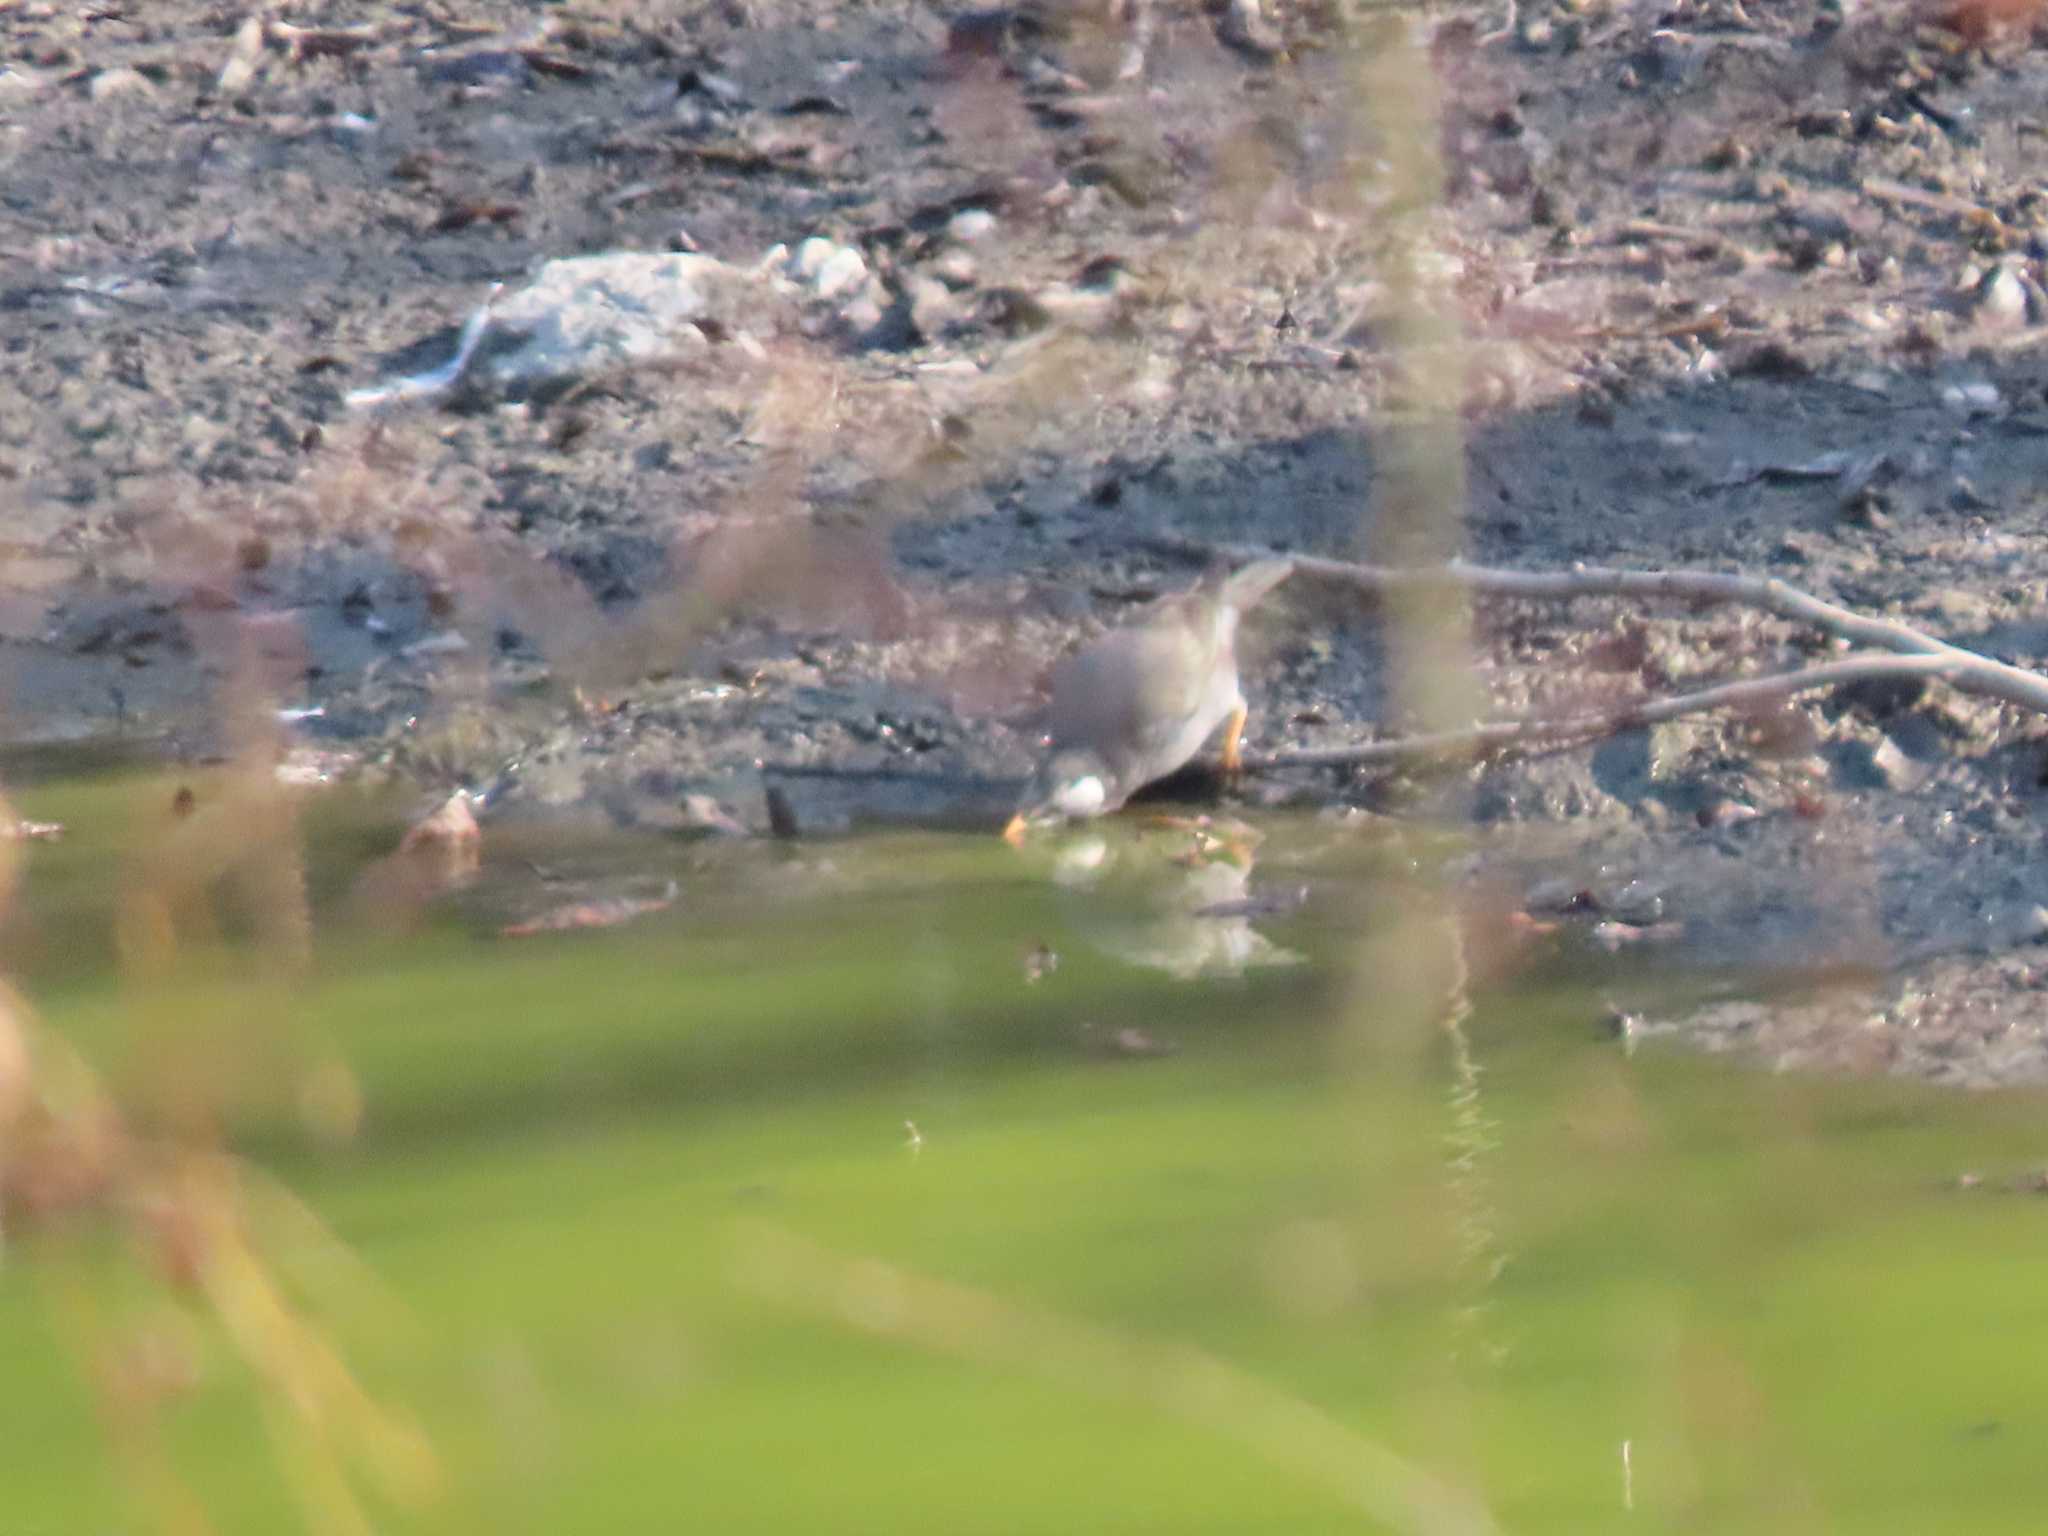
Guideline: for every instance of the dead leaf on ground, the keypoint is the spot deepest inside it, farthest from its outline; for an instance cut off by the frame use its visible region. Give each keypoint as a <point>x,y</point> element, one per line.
<point>591,914</point>
<point>1613,936</point>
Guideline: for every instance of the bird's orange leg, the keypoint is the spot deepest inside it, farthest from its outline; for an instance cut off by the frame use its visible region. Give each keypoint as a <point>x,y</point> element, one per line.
<point>1233,743</point>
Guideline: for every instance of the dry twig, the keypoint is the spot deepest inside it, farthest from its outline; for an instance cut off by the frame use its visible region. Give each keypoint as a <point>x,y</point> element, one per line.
<point>1497,735</point>
<point>1915,653</point>
<point>1974,672</point>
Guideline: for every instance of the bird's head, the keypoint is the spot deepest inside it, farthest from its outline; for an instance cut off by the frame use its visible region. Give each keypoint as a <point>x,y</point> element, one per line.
<point>1068,786</point>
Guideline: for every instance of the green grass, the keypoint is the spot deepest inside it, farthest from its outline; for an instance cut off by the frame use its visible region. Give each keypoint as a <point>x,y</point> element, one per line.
<point>1769,1287</point>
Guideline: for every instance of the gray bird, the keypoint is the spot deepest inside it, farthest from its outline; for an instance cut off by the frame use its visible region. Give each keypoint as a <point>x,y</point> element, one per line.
<point>1138,703</point>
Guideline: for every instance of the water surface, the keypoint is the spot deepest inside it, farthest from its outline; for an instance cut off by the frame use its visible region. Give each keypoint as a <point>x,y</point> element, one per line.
<point>906,1184</point>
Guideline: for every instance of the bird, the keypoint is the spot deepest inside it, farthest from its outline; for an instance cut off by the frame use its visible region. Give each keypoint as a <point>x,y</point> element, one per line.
<point>1136,704</point>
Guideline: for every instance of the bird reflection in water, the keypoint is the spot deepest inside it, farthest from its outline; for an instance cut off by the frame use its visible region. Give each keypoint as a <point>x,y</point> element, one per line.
<point>1175,897</point>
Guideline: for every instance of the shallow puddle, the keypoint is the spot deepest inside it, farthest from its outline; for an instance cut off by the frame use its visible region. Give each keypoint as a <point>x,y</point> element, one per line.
<point>913,1183</point>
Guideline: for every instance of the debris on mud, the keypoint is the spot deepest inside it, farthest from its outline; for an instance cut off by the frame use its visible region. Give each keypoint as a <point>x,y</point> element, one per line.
<point>1743,289</point>
<point>607,912</point>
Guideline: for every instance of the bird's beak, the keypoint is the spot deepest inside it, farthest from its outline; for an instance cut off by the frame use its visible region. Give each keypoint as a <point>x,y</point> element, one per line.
<point>1013,834</point>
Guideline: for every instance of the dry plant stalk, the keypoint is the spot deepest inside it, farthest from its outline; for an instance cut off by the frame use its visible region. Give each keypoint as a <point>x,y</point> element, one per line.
<point>74,1164</point>
<point>1180,1380</point>
<point>1411,986</point>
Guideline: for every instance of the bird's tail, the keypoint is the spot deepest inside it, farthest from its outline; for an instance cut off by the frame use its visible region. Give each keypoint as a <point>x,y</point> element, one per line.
<point>1245,587</point>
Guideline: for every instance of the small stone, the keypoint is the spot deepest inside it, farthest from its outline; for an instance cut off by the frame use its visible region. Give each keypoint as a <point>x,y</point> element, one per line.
<point>933,307</point>
<point>1999,300</point>
<point>1859,765</point>
<point>1897,771</point>
<point>1825,125</point>
<point>1793,548</point>
<point>843,272</point>
<point>832,270</point>
<point>18,84</point>
<point>1772,360</point>
<point>244,58</point>
<point>479,68</point>
<point>1862,475</point>
<point>112,84</point>
<point>1975,399</point>
<point>1731,154</point>
<point>956,269</point>
<point>863,316</point>
<point>970,225</point>
<point>1727,813</point>
<point>1869,508</point>
<point>1673,744</point>
<point>1245,29</point>
<point>1620,1024</point>
<point>1614,936</point>
<point>1637,904</point>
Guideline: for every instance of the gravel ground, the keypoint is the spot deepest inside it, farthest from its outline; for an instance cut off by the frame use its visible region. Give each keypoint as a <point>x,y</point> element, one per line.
<point>1744,290</point>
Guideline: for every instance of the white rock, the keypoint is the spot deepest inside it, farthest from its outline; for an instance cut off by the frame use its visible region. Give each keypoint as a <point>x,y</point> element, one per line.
<point>971,224</point>
<point>446,642</point>
<point>2000,299</point>
<point>587,314</point>
<point>109,84</point>
<point>20,83</point>
<point>831,269</point>
<point>810,257</point>
<point>1973,399</point>
<point>956,269</point>
<point>844,272</point>
<point>594,314</point>
<point>244,59</point>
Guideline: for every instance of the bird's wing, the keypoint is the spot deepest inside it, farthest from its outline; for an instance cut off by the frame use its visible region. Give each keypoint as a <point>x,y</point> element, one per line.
<point>1134,688</point>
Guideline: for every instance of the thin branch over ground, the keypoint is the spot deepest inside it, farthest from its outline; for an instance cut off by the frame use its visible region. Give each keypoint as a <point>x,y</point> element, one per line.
<point>1914,653</point>
<point>1498,735</point>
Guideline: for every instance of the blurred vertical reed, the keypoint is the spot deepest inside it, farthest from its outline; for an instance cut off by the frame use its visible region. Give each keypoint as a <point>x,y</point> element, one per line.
<point>1410,992</point>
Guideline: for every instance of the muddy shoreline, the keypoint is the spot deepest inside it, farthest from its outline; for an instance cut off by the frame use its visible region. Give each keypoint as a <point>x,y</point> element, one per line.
<point>1753,292</point>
